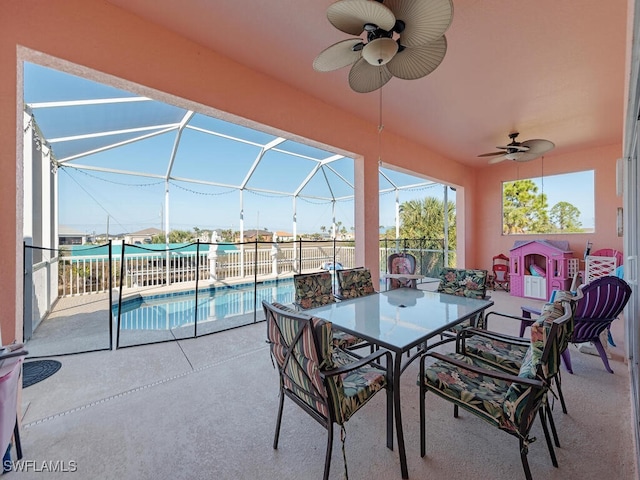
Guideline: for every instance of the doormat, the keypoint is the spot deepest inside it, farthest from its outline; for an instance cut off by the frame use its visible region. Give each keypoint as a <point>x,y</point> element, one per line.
<point>38,370</point>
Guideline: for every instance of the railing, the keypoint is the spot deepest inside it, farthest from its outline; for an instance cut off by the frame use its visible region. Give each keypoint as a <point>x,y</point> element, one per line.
<point>145,266</point>
<point>248,272</point>
<point>430,254</point>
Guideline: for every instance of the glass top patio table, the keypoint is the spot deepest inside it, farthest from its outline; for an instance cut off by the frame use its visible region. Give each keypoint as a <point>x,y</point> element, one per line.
<point>399,320</point>
<point>402,318</point>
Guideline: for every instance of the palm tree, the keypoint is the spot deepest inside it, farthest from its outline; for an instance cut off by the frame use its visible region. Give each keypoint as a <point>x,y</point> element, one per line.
<point>425,219</point>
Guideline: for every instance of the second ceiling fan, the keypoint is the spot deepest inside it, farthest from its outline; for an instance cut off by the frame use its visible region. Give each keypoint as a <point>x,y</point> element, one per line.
<point>520,151</point>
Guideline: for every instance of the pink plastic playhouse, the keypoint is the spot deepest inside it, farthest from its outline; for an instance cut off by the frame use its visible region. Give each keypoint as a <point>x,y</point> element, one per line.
<point>537,267</point>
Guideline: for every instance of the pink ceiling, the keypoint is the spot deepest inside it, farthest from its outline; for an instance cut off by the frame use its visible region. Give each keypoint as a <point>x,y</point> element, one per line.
<point>546,68</point>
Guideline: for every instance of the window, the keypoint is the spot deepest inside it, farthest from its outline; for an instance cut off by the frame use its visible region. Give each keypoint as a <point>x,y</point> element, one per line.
<point>552,204</point>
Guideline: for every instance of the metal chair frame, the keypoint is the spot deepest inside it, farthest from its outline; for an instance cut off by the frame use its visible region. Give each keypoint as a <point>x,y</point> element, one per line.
<point>323,395</point>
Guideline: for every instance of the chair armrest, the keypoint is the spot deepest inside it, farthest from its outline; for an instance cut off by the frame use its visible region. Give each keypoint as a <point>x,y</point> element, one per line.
<point>506,377</point>
<point>12,350</point>
<point>508,315</point>
<point>359,362</point>
<point>501,337</point>
<point>530,311</point>
<point>505,315</point>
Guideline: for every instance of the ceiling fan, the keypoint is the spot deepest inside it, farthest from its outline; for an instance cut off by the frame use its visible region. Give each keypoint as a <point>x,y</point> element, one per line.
<point>402,38</point>
<point>520,151</point>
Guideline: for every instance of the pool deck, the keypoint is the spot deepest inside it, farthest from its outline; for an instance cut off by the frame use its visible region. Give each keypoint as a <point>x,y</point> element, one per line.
<point>81,323</point>
<point>206,408</point>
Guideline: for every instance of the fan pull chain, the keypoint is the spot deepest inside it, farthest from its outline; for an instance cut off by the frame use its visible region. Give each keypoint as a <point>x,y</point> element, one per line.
<point>380,127</point>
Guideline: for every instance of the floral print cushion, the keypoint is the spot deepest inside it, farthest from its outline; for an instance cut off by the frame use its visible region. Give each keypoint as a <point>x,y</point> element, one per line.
<point>355,283</point>
<point>345,340</point>
<point>313,290</point>
<point>563,296</point>
<point>567,332</point>
<point>479,394</point>
<point>505,356</point>
<point>551,312</point>
<point>464,283</point>
<point>508,356</point>
<point>353,389</point>
<point>496,401</point>
<point>517,395</point>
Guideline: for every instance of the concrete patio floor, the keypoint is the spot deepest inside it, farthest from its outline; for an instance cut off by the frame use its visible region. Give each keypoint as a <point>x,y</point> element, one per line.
<point>206,408</point>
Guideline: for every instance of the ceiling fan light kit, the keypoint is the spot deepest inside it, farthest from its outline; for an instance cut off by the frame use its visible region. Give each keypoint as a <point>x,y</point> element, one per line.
<point>402,38</point>
<point>380,51</point>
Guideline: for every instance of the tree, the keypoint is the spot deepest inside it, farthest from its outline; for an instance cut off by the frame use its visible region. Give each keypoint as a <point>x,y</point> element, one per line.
<point>159,238</point>
<point>565,217</point>
<point>524,210</point>
<point>175,236</point>
<point>227,235</point>
<point>425,219</point>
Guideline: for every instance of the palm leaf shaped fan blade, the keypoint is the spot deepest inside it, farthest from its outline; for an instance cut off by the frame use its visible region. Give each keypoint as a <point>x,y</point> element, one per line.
<point>492,154</point>
<point>423,21</point>
<point>538,146</point>
<point>350,16</point>
<point>339,55</point>
<point>411,63</point>
<point>365,78</point>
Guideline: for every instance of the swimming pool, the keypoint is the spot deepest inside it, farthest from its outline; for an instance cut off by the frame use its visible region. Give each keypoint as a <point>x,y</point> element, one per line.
<point>178,309</point>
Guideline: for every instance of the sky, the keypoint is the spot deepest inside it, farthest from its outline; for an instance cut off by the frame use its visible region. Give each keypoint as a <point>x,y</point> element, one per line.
<point>93,201</point>
<point>576,188</point>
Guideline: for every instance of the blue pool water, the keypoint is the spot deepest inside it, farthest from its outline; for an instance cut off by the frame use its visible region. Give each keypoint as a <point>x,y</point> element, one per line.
<point>177,309</point>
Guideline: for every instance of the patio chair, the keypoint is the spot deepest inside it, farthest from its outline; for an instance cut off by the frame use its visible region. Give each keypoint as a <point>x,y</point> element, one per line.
<point>465,283</point>
<point>508,402</point>
<point>354,282</point>
<point>11,357</point>
<point>602,302</point>
<point>328,383</point>
<point>500,271</point>
<point>506,352</point>
<point>315,290</point>
<point>399,263</point>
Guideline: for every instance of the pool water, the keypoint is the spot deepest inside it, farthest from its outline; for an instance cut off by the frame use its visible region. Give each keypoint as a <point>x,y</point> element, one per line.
<point>177,309</point>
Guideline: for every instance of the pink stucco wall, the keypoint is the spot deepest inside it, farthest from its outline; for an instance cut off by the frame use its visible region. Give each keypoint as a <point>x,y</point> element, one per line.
<point>93,34</point>
<point>487,208</point>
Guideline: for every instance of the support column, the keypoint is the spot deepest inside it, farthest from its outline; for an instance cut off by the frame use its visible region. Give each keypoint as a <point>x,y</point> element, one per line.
<point>367,217</point>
